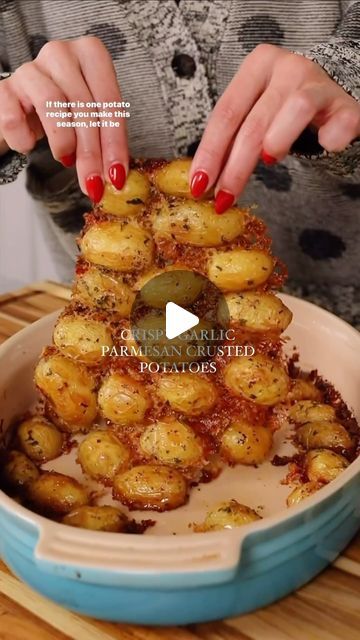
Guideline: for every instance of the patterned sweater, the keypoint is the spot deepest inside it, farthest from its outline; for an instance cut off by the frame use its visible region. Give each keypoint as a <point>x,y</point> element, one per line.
<point>173,60</point>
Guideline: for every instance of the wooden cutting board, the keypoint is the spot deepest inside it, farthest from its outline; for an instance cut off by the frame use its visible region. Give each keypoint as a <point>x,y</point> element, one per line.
<point>328,608</point>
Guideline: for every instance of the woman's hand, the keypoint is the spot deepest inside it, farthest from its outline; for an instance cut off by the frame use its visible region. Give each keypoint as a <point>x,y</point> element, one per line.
<point>67,71</point>
<point>273,97</point>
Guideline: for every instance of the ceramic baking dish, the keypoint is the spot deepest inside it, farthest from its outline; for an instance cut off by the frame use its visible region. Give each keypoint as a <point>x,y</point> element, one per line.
<point>161,578</point>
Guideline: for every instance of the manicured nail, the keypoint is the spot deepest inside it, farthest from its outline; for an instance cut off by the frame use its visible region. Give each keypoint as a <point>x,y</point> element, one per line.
<point>223,201</point>
<point>199,183</point>
<point>117,175</point>
<point>95,188</point>
<point>267,159</point>
<point>68,161</point>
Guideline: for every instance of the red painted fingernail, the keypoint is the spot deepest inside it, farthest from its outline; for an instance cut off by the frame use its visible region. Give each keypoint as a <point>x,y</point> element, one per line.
<point>223,201</point>
<point>117,175</point>
<point>95,188</point>
<point>68,161</point>
<point>265,157</point>
<point>199,183</point>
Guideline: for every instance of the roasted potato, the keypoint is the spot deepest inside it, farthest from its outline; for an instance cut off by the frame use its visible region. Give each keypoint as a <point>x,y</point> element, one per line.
<point>121,246</point>
<point>196,223</point>
<point>153,487</point>
<point>103,291</point>
<point>181,286</point>
<point>173,178</point>
<point>70,389</point>
<point>102,455</point>
<point>322,465</point>
<point>302,389</point>
<point>104,518</point>
<point>302,492</point>
<point>239,269</point>
<point>82,338</point>
<point>257,311</point>
<point>172,443</point>
<point>17,470</point>
<point>257,378</point>
<point>39,439</point>
<point>246,443</point>
<point>187,393</point>
<point>56,493</point>
<point>324,435</point>
<point>122,399</point>
<point>227,515</point>
<point>131,199</point>
<point>311,411</point>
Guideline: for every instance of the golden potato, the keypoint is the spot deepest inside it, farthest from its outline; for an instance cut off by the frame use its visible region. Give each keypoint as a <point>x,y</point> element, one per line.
<point>56,493</point>
<point>322,465</point>
<point>182,287</point>
<point>187,393</point>
<point>153,487</point>
<point>173,178</point>
<point>310,411</point>
<point>102,455</point>
<point>239,269</point>
<point>82,338</point>
<point>304,390</point>
<point>196,223</point>
<point>122,399</point>
<point>70,388</point>
<point>104,518</point>
<point>258,311</point>
<point>17,470</point>
<point>118,245</point>
<point>96,289</point>
<point>227,515</point>
<point>172,443</point>
<point>131,199</point>
<point>246,443</point>
<point>302,492</point>
<point>323,434</point>
<point>257,378</point>
<point>39,439</point>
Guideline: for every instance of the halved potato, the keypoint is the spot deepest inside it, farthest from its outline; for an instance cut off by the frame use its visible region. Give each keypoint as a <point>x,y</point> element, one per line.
<point>102,455</point>
<point>56,493</point>
<point>121,246</point>
<point>239,269</point>
<point>131,199</point>
<point>187,393</point>
<point>257,378</point>
<point>153,487</point>
<point>257,312</point>
<point>245,443</point>
<point>323,465</point>
<point>82,338</point>
<point>172,443</point>
<point>227,515</point>
<point>39,439</point>
<point>323,434</point>
<point>104,518</point>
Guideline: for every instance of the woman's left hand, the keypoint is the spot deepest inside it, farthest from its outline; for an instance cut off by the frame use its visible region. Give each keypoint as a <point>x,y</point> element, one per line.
<point>272,98</point>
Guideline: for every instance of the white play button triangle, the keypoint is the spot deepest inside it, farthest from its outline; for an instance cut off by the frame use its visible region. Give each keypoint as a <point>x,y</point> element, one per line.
<point>178,320</point>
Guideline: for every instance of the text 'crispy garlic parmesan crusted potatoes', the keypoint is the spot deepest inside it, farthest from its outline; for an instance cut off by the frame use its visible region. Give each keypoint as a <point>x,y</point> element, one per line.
<point>148,437</point>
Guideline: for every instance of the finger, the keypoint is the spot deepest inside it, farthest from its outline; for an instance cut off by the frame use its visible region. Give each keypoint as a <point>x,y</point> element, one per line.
<point>37,88</point>
<point>295,115</point>
<point>246,149</point>
<point>229,112</point>
<point>341,129</point>
<point>99,73</point>
<point>14,126</point>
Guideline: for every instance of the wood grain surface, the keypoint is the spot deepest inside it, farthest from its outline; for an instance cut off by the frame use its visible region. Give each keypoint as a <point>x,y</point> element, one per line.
<point>328,608</point>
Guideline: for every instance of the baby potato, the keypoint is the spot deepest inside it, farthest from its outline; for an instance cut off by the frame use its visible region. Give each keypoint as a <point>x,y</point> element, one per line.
<point>196,223</point>
<point>39,439</point>
<point>118,245</point>
<point>102,455</point>
<point>187,393</point>
<point>227,515</point>
<point>302,492</point>
<point>304,390</point>
<point>103,291</point>
<point>70,388</point>
<point>257,378</point>
<point>122,399</point>
<point>246,443</point>
<point>153,487</point>
<point>310,411</point>
<point>173,178</point>
<point>18,470</point>
<point>180,286</point>
<point>322,465</point>
<point>323,434</point>
<point>258,311</point>
<point>239,269</point>
<point>172,443</point>
<point>104,518</point>
<point>131,199</point>
<point>82,338</point>
<point>56,493</point>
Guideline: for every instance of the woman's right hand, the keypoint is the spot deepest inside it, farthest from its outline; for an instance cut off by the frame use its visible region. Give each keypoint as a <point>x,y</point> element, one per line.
<point>67,71</point>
